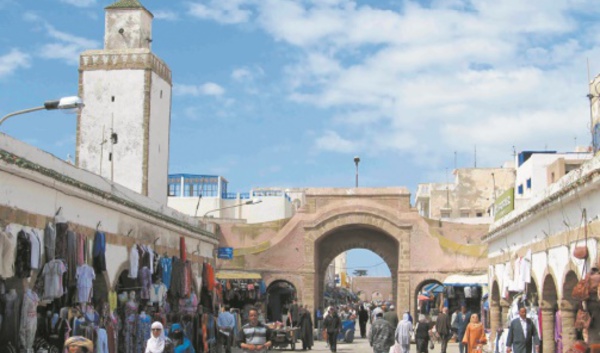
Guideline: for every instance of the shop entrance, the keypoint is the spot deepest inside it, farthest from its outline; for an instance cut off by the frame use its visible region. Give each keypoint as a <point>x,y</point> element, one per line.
<point>280,294</point>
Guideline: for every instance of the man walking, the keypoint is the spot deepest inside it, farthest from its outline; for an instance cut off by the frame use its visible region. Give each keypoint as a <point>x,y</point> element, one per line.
<point>381,337</point>
<point>462,320</point>
<point>443,328</point>
<point>391,316</point>
<point>332,325</point>
<point>522,334</point>
<point>363,317</point>
<point>226,325</point>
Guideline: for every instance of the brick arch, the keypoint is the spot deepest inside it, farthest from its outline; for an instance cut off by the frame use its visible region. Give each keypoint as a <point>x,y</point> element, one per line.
<point>369,221</point>
<point>418,288</point>
<point>549,293</point>
<point>569,281</point>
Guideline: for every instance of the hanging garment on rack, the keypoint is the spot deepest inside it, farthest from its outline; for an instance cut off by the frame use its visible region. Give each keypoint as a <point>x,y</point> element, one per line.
<point>61,240</point>
<point>50,241</point>
<point>144,323</point>
<point>158,294</point>
<point>130,327</point>
<point>112,332</point>
<point>8,250</point>
<point>10,324</point>
<point>53,279</point>
<point>28,326</point>
<point>85,279</point>
<point>71,258</point>
<point>187,279</point>
<point>177,279</point>
<point>81,240</point>
<point>146,282</point>
<point>23,260</point>
<point>36,251</point>
<point>102,342</point>
<point>134,258</point>
<point>166,265</point>
<point>98,252</point>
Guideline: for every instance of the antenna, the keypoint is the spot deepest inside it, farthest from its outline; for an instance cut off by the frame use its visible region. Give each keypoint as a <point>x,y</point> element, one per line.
<point>475,156</point>
<point>591,98</point>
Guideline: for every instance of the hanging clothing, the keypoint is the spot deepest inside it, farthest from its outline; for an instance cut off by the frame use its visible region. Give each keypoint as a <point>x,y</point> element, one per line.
<point>112,300</point>
<point>10,324</point>
<point>23,260</point>
<point>112,332</point>
<point>134,258</point>
<point>50,241</point>
<point>8,246</point>
<point>182,249</point>
<point>166,265</point>
<point>101,342</point>
<point>28,326</point>
<point>61,240</point>
<point>144,324</point>
<point>85,279</point>
<point>130,327</point>
<point>177,278</point>
<point>36,249</point>
<point>81,245</point>
<point>98,252</point>
<point>146,282</point>
<point>53,279</point>
<point>71,258</point>
<point>158,294</point>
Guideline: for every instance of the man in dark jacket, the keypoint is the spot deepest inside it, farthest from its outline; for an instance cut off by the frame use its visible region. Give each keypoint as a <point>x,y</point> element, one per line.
<point>381,337</point>
<point>363,317</point>
<point>332,325</point>
<point>391,316</point>
<point>442,326</point>
<point>522,334</point>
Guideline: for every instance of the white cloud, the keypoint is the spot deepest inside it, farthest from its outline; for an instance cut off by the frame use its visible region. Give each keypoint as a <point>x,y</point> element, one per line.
<point>66,47</point>
<point>165,15</point>
<point>80,3</point>
<point>12,61</point>
<point>331,141</point>
<point>222,11</point>
<point>206,89</point>
<point>437,78</point>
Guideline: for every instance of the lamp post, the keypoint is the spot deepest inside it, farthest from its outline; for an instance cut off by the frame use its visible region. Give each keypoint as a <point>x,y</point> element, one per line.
<point>249,202</point>
<point>356,161</point>
<point>62,104</point>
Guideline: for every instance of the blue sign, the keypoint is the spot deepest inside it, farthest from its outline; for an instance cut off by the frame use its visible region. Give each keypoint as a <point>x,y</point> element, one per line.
<point>225,253</point>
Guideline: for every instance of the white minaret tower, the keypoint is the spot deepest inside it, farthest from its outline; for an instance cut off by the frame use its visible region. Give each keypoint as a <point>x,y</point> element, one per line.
<point>123,130</point>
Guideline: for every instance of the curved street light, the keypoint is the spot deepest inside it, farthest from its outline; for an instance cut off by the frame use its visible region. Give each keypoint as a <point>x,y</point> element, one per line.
<point>64,103</point>
<point>249,202</point>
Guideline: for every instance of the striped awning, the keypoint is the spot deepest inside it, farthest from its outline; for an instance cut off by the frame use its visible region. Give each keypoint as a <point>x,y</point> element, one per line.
<point>225,274</point>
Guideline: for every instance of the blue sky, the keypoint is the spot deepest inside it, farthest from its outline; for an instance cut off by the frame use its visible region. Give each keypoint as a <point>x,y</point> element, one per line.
<point>286,93</point>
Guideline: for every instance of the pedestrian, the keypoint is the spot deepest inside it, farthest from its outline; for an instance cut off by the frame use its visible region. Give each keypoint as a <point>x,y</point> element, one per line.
<point>381,337</point>
<point>332,325</point>
<point>522,334</point>
<point>363,317</point>
<point>462,320</point>
<point>294,313</point>
<point>443,328</point>
<point>181,343</point>
<point>404,332</point>
<point>474,337</point>
<point>391,316</point>
<point>158,343</point>
<point>306,329</point>
<point>226,326</point>
<point>79,344</point>
<point>254,336</point>
<point>422,334</point>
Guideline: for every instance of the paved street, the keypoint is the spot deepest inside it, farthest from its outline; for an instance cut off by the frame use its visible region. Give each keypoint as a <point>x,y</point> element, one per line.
<point>360,345</point>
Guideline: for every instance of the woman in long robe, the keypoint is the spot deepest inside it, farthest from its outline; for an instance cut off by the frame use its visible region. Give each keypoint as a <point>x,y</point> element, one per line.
<point>404,332</point>
<point>474,336</point>
<point>306,329</point>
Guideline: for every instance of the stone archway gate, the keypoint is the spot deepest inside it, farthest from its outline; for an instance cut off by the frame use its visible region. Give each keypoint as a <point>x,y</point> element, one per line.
<point>334,220</point>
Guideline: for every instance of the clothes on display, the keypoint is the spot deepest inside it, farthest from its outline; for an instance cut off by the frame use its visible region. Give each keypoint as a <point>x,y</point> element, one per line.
<point>8,244</point>
<point>29,321</point>
<point>85,277</point>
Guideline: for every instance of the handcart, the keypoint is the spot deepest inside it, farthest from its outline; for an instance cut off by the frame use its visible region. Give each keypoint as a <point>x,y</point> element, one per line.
<point>282,337</point>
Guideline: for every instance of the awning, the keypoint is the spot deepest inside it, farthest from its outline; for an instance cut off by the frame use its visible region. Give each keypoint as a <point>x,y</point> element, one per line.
<point>466,280</point>
<point>223,274</point>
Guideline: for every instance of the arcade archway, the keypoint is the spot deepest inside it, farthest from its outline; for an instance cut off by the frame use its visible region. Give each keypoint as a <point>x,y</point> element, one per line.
<point>280,294</point>
<point>349,237</point>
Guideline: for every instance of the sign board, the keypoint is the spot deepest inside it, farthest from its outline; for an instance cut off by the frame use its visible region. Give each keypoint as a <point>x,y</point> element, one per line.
<point>225,253</point>
<point>505,204</point>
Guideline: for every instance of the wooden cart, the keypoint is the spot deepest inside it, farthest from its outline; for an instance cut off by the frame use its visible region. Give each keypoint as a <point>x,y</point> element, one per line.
<point>282,337</point>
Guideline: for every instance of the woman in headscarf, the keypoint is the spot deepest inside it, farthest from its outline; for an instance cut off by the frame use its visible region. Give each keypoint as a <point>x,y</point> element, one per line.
<point>79,344</point>
<point>474,336</point>
<point>158,343</point>
<point>404,332</point>
<point>180,341</point>
<point>422,334</point>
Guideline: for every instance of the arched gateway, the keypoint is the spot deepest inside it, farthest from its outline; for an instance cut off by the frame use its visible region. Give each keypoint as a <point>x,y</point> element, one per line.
<point>332,221</point>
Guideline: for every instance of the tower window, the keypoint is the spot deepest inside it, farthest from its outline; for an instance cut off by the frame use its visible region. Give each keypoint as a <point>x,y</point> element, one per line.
<point>161,93</point>
<point>112,99</point>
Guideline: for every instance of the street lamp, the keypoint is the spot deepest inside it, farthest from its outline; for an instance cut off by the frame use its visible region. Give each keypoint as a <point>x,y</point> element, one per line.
<point>356,160</point>
<point>62,104</point>
<point>249,202</point>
